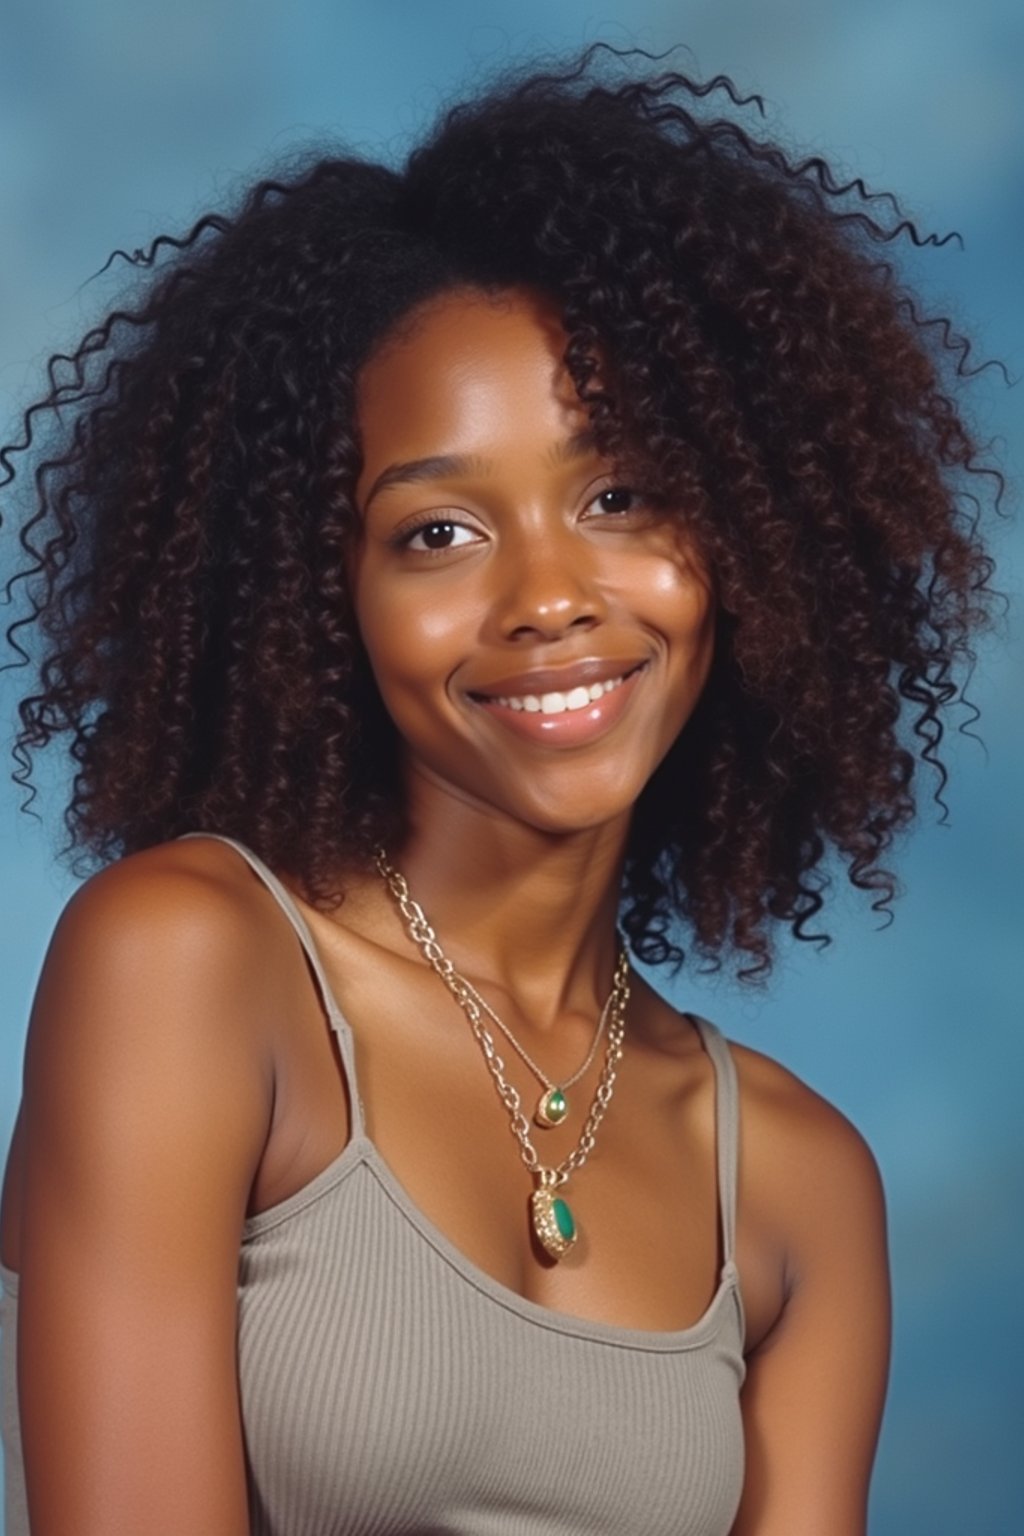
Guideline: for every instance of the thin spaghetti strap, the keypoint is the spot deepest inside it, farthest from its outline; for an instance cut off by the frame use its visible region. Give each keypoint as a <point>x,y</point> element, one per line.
<point>337,1019</point>
<point>727,1123</point>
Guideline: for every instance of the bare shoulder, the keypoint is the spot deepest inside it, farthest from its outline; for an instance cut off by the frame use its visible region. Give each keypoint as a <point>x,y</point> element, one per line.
<point>158,977</point>
<point>191,880</point>
<point>810,1185</point>
<point>795,1131</point>
<point>175,933</point>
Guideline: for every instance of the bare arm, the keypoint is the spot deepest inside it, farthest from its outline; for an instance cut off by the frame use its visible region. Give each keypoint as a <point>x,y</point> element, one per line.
<point>146,1107</point>
<point>813,1398</point>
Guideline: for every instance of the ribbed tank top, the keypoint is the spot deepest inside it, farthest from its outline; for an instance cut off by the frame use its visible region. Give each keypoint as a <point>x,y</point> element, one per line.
<point>388,1385</point>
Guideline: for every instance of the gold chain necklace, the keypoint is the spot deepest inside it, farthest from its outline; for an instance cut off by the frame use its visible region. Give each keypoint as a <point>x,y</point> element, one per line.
<point>553,1223</point>
<point>552,1106</point>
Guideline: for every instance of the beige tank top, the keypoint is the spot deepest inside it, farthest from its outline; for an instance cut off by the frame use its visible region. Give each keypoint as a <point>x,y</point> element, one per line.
<point>389,1386</point>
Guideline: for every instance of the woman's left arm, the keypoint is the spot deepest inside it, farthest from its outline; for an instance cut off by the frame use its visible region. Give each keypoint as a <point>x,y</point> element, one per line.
<point>815,1388</point>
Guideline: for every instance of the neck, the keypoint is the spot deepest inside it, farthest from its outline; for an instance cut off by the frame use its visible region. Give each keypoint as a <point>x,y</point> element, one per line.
<point>518,911</point>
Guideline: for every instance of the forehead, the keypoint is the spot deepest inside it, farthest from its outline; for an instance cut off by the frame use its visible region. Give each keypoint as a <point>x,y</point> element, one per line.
<point>466,371</point>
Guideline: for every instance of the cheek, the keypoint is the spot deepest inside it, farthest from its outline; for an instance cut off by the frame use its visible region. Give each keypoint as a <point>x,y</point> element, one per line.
<point>676,597</point>
<point>412,641</point>
<point>683,609</point>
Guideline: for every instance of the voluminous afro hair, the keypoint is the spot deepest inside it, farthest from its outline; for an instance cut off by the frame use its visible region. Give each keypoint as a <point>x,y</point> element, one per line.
<point>765,372</point>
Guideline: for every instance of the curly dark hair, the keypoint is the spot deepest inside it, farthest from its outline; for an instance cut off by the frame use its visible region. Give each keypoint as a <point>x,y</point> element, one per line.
<point>763,370</point>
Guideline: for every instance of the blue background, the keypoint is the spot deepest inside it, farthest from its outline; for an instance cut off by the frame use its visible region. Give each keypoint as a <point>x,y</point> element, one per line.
<point>120,120</point>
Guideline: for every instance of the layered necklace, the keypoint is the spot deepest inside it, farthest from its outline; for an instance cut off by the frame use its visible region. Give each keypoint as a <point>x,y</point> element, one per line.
<point>552,1106</point>
<point>551,1218</point>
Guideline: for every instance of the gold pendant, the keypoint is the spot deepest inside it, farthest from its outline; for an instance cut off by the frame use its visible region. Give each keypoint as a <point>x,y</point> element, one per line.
<point>552,1221</point>
<point>552,1108</point>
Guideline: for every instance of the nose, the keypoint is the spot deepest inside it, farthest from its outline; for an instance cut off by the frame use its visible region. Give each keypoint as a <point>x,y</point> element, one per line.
<point>546,583</point>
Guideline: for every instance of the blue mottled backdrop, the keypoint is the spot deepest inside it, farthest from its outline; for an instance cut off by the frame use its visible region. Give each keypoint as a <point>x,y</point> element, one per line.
<point>120,119</point>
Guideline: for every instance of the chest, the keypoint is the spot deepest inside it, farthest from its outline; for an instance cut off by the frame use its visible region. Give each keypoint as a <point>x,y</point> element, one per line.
<point>386,1385</point>
<point>645,1200</point>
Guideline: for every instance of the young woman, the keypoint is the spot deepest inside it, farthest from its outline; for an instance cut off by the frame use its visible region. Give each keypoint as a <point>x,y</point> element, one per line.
<point>458,580</point>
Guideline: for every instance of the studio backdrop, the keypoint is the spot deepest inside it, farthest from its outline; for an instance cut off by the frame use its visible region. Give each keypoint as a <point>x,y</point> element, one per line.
<point>120,121</point>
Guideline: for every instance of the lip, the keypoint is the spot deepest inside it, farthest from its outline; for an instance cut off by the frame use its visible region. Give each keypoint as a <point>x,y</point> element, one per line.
<point>580,674</point>
<point>572,727</point>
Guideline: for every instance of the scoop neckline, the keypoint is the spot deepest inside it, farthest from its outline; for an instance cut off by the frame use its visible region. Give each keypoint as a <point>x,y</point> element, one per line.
<point>361,1149</point>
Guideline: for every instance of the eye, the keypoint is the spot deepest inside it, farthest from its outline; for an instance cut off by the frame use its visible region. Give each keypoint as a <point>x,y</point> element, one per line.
<point>435,535</point>
<point>620,500</point>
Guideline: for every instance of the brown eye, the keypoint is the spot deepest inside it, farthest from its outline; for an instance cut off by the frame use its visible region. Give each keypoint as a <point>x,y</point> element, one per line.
<point>435,536</point>
<point>619,499</point>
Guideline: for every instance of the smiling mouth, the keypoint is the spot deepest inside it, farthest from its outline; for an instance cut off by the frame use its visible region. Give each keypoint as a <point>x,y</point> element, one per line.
<point>575,718</point>
<point>558,703</point>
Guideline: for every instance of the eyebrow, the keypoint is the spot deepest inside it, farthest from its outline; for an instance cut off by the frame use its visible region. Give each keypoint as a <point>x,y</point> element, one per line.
<point>441,466</point>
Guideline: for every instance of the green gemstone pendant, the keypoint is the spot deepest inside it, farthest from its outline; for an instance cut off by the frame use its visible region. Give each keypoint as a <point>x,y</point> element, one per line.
<point>552,1108</point>
<point>552,1221</point>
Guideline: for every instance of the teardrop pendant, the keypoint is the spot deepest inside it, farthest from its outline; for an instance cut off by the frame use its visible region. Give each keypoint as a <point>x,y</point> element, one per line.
<point>553,1221</point>
<point>552,1108</point>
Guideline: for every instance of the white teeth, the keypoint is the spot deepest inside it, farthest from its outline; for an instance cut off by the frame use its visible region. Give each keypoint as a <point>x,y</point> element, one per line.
<point>559,703</point>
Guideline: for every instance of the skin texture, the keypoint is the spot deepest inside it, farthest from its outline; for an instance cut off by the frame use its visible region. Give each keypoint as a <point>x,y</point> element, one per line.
<point>537,575</point>
<point>180,1075</point>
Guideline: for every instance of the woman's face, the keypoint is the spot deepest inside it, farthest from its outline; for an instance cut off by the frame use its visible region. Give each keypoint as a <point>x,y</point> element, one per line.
<point>538,634</point>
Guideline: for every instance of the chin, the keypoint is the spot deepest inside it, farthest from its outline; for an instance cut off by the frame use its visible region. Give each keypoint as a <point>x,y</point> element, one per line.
<point>577,798</point>
<point>564,820</point>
